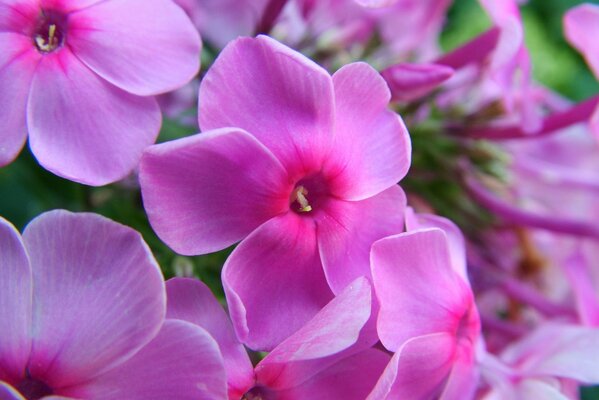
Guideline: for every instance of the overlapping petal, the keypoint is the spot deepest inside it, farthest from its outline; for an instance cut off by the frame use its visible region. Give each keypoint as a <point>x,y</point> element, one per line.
<point>281,255</point>
<point>371,149</point>
<point>83,128</point>
<point>145,47</point>
<point>15,303</point>
<point>581,27</point>
<point>204,193</point>
<point>181,362</point>
<point>8,392</point>
<point>347,230</point>
<point>191,300</point>
<point>279,96</point>
<point>98,295</point>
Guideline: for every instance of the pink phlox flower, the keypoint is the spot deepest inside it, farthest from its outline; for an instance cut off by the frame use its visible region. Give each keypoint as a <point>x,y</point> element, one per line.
<point>307,179</point>
<point>427,317</point>
<point>78,78</point>
<point>82,304</point>
<point>330,357</point>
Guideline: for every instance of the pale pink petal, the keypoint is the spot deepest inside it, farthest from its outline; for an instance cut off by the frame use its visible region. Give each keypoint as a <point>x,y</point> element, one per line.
<point>205,192</point>
<point>278,95</point>
<point>281,255</point>
<point>8,392</point>
<point>418,370</point>
<point>15,303</point>
<point>182,362</point>
<point>192,301</point>
<point>376,3</point>
<point>581,28</point>
<point>335,333</point>
<point>83,128</point>
<point>405,268</point>
<point>18,61</point>
<point>351,378</point>
<point>347,230</point>
<point>455,238</point>
<point>145,47</point>
<point>98,295</point>
<point>372,149</point>
<point>410,82</point>
<point>539,390</point>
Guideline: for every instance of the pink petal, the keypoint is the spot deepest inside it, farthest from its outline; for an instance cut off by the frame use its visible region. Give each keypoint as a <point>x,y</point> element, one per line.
<point>464,377</point>
<point>18,17</point>
<point>581,28</point>
<point>405,268</point>
<point>84,129</point>
<point>352,378</point>
<point>192,301</point>
<point>335,333</point>
<point>538,389</point>
<point>376,3</point>
<point>281,97</point>
<point>17,65</point>
<point>98,295</point>
<point>418,370</point>
<point>372,149</point>
<point>410,82</point>
<point>347,230</point>
<point>8,392</point>
<point>15,303</point>
<point>182,362</point>
<point>145,47</point>
<point>205,192</point>
<point>455,238</point>
<point>66,6</point>
<point>282,256</point>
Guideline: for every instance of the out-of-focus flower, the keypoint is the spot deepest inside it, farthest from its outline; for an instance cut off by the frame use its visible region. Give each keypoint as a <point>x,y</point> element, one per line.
<point>427,317</point>
<point>546,364</point>
<point>220,21</point>
<point>328,358</point>
<point>77,75</point>
<point>410,82</point>
<point>310,188</point>
<point>82,303</point>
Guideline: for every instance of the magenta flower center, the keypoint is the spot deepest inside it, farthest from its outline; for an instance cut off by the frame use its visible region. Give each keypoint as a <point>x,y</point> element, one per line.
<point>309,194</point>
<point>33,389</point>
<point>49,34</point>
<point>258,393</point>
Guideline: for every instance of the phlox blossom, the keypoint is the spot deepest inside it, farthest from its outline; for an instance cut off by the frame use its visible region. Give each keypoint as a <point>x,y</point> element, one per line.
<point>300,165</point>
<point>78,76</point>
<point>82,305</point>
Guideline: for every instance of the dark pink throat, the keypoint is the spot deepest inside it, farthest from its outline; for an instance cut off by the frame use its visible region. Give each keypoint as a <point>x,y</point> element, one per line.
<point>309,194</point>
<point>50,31</point>
<point>468,326</point>
<point>33,389</point>
<point>258,393</point>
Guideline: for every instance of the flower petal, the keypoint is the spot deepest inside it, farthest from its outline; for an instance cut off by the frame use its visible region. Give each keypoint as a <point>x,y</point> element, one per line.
<point>371,150</point>
<point>281,97</point>
<point>98,295</point>
<point>8,392</point>
<point>282,256</point>
<point>15,303</point>
<point>335,333</point>
<point>17,65</point>
<point>145,47</point>
<point>192,301</point>
<point>18,17</point>
<point>182,362</point>
<point>351,378</point>
<point>404,269</point>
<point>464,377</point>
<point>418,370</point>
<point>410,81</point>
<point>581,27</point>
<point>205,192</point>
<point>84,129</point>
<point>347,230</point>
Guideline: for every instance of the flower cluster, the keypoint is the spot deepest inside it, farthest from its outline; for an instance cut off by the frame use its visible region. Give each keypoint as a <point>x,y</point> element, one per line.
<point>410,223</point>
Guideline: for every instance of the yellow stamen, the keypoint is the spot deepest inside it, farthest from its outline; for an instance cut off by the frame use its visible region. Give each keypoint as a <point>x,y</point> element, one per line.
<point>52,40</point>
<point>300,195</point>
